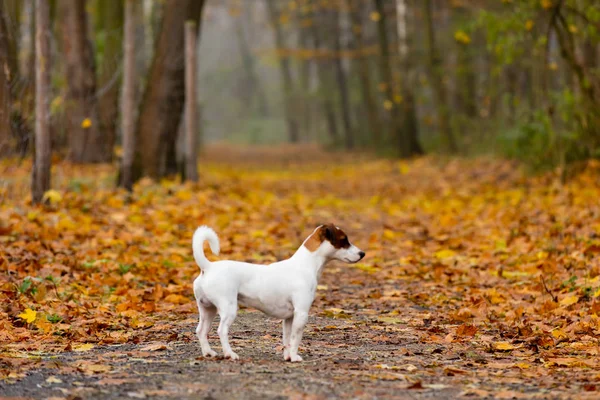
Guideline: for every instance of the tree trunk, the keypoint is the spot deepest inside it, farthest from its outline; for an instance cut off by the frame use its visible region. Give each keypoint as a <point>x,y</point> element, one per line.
<point>111,22</point>
<point>162,104</point>
<point>325,87</point>
<point>439,88</point>
<point>256,93</point>
<point>286,74</point>
<point>128,102</point>
<point>385,66</point>
<point>408,141</point>
<point>368,97</point>
<point>86,141</point>
<point>41,166</point>
<point>5,129</point>
<point>191,104</point>
<point>341,80</point>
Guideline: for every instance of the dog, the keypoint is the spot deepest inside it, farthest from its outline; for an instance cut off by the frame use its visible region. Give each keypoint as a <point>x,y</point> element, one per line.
<point>283,290</point>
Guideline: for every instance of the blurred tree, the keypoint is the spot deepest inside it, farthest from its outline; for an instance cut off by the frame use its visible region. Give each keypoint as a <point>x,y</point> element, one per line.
<point>334,19</point>
<point>325,79</point>
<point>163,99</point>
<point>5,131</point>
<point>285,69</point>
<point>87,142</point>
<point>42,159</point>
<point>437,79</point>
<point>366,85</point>
<point>110,27</point>
<point>129,94</point>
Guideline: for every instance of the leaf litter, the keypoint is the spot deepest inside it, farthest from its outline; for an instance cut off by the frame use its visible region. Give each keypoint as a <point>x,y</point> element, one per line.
<point>477,279</point>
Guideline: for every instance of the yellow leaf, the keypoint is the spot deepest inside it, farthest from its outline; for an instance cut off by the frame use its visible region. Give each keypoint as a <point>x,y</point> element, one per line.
<point>176,299</point>
<point>86,123</point>
<point>597,292</point>
<point>523,365</point>
<point>569,300</point>
<point>503,346</point>
<point>28,315</point>
<point>375,16</point>
<point>559,333</point>
<point>446,253</point>
<point>546,4</point>
<point>462,37</point>
<point>388,105</point>
<point>52,196</point>
<point>388,234</point>
<point>529,24</point>
<point>53,379</point>
<point>83,347</point>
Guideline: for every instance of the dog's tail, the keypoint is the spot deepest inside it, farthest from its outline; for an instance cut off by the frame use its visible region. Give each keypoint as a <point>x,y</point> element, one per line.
<point>204,233</point>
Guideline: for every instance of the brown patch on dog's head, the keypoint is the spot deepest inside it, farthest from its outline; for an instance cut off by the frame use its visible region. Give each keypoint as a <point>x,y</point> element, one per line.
<point>329,232</point>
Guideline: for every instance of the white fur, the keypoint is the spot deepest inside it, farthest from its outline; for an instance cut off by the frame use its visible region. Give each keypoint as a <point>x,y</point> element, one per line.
<point>284,290</point>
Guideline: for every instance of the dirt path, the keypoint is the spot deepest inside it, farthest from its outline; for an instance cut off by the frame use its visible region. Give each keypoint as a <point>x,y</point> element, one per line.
<point>343,358</point>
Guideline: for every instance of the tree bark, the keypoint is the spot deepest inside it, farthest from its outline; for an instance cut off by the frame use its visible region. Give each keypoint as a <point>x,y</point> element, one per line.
<point>191,104</point>
<point>286,74</point>
<point>111,22</point>
<point>41,167</point>
<point>163,99</point>
<point>368,97</point>
<point>5,129</point>
<point>439,88</point>
<point>325,87</point>
<point>256,93</point>
<point>86,141</point>
<point>128,100</point>
<point>341,81</point>
<point>408,141</point>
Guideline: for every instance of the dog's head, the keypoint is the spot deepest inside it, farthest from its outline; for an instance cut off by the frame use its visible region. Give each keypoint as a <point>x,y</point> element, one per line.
<point>333,243</point>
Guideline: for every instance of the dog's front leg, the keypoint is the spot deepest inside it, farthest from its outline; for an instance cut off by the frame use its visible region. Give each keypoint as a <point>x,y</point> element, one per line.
<point>300,319</point>
<point>287,327</point>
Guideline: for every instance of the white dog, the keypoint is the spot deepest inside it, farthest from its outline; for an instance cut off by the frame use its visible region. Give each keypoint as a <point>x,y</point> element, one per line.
<point>284,290</point>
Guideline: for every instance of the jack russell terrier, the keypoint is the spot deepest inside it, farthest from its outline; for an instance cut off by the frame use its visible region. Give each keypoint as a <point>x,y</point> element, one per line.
<point>284,290</point>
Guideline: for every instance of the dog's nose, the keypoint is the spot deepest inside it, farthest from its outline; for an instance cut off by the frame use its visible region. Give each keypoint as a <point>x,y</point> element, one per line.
<point>361,254</point>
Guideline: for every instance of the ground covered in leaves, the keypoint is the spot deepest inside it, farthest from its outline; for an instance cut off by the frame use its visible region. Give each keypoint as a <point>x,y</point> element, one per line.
<point>478,281</point>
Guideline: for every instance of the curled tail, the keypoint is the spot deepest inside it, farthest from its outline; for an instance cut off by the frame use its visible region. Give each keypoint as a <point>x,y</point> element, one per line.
<point>204,233</point>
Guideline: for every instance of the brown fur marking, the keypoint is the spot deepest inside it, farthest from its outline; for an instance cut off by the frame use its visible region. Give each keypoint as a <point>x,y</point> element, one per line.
<point>330,232</point>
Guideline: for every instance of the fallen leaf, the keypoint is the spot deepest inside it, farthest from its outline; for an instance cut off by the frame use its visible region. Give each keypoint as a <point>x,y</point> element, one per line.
<point>28,315</point>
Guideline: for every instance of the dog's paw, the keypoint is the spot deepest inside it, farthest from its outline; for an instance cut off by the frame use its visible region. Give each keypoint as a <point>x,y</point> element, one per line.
<point>232,355</point>
<point>295,358</point>
<point>209,353</point>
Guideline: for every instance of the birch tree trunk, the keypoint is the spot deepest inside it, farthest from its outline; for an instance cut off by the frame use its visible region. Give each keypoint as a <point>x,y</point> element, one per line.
<point>128,99</point>
<point>41,166</point>
<point>191,105</point>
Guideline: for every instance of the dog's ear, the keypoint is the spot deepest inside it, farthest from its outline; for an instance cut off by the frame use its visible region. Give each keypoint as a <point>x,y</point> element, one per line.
<point>329,232</point>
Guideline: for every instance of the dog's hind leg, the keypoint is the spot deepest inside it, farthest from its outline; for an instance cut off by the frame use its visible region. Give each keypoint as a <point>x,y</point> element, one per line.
<point>207,315</point>
<point>227,312</point>
<point>287,327</point>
